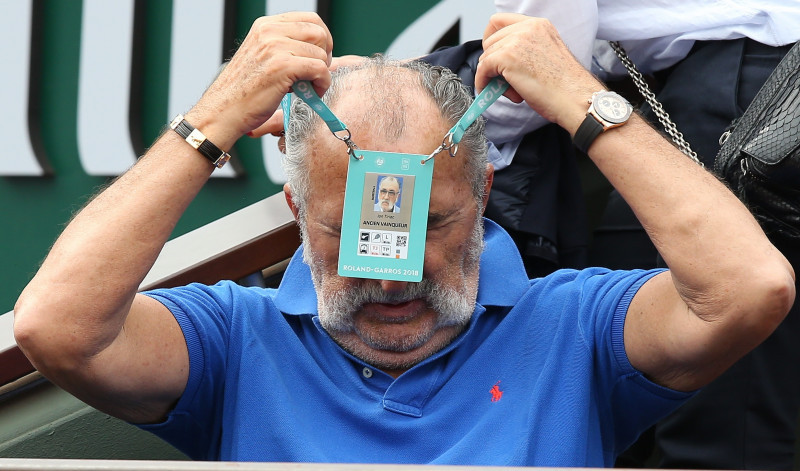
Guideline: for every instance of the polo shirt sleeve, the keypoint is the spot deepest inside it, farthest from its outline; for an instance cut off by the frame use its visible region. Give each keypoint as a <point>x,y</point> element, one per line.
<point>194,424</point>
<point>634,401</point>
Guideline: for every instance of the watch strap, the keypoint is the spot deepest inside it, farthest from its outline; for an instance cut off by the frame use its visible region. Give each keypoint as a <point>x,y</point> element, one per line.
<point>587,132</point>
<point>195,138</point>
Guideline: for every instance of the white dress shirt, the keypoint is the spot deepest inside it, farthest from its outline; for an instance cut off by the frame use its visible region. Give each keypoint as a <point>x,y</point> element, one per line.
<point>655,33</point>
<point>656,45</point>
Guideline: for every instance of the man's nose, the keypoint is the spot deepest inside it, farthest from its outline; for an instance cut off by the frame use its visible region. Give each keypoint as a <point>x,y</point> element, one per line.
<point>390,286</point>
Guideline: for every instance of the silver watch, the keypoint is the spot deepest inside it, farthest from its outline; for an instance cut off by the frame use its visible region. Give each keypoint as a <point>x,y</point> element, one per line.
<point>606,110</point>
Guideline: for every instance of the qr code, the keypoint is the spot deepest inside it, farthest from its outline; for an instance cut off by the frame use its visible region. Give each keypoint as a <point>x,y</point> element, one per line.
<point>402,240</point>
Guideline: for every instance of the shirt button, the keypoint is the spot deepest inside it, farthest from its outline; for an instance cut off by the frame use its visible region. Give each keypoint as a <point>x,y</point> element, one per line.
<point>366,372</point>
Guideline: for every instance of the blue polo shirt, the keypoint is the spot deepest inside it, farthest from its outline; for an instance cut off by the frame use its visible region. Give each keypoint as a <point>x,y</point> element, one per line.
<point>539,378</point>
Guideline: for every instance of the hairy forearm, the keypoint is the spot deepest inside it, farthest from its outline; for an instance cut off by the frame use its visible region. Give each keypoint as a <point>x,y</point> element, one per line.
<point>713,246</point>
<point>83,290</point>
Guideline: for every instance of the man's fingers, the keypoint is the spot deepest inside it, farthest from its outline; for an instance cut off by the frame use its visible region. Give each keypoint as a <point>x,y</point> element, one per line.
<point>307,27</point>
<point>485,73</point>
<point>289,43</point>
<point>493,61</point>
<point>498,21</point>
<point>274,126</point>
<point>277,52</point>
<point>530,55</point>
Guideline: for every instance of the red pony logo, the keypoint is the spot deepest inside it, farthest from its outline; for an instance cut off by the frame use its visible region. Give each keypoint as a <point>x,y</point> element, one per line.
<point>496,392</point>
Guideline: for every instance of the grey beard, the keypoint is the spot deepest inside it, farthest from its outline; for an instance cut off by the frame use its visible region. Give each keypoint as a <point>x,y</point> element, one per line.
<point>454,306</point>
<point>336,309</point>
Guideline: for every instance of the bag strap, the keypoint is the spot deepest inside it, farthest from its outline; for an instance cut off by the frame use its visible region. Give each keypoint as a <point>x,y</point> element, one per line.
<point>655,105</point>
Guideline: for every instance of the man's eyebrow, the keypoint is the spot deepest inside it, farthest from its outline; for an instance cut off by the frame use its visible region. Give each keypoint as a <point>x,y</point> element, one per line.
<point>334,225</point>
<point>438,217</point>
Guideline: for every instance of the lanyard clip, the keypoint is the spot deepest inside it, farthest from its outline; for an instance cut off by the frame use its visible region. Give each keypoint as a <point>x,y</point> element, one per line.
<point>447,144</point>
<point>351,146</point>
<point>496,87</point>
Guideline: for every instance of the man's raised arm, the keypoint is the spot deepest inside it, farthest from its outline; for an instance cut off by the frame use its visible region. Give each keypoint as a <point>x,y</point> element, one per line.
<point>727,287</point>
<point>79,320</point>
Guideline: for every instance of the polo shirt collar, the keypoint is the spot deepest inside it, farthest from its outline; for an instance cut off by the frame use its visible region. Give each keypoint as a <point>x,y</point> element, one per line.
<point>502,278</point>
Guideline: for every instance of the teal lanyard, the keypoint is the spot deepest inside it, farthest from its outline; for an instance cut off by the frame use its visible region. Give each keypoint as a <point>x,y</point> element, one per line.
<point>496,87</point>
<point>488,95</point>
<point>306,92</point>
<point>303,89</point>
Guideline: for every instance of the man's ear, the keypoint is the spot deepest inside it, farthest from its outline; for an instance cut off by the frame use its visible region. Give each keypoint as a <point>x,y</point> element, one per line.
<point>488,187</point>
<point>287,193</point>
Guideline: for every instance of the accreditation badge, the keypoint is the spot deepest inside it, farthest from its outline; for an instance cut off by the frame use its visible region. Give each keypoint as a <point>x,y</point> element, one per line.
<point>385,219</point>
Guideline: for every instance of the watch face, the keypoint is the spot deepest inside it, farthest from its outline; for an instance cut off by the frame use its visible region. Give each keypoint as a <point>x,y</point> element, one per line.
<point>611,107</point>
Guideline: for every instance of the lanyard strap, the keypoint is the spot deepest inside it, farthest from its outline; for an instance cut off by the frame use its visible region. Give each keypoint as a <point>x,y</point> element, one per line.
<point>496,87</point>
<point>303,89</point>
<point>306,92</point>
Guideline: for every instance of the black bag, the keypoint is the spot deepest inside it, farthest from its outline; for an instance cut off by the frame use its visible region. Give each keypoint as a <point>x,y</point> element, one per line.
<point>760,153</point>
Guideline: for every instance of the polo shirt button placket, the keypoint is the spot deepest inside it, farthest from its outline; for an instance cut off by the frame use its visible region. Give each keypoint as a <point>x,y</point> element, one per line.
<point>367,372</point>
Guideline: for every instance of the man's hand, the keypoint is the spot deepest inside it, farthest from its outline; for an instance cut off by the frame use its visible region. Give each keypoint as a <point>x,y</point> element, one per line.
<point>531,56</point>
<point>277,52</point>
<point>274,125</point>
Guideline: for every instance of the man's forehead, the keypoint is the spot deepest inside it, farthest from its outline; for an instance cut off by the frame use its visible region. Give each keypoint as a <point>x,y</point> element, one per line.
<point>389,109</point>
